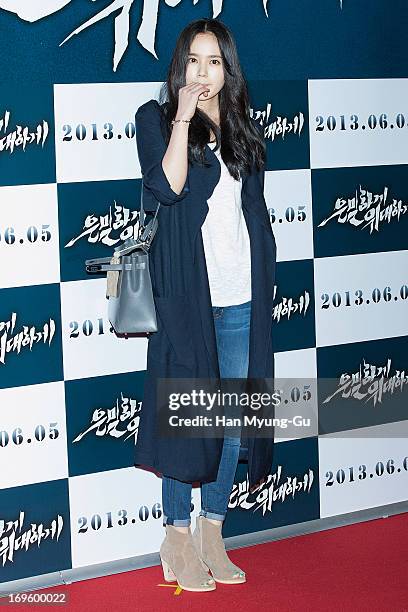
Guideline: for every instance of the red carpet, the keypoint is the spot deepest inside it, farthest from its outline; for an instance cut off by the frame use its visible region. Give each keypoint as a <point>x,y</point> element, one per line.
<point>358,567</point>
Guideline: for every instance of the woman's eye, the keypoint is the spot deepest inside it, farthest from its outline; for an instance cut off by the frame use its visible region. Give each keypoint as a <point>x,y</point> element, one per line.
<point>190,59</point>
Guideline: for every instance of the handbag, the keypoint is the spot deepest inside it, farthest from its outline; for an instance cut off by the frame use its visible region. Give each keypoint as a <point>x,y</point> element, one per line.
<point>131,307</point>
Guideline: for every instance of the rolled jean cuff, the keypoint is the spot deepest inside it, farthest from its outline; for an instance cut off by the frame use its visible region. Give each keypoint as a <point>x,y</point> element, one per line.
<point>176,522</point>
<point>212,515</point>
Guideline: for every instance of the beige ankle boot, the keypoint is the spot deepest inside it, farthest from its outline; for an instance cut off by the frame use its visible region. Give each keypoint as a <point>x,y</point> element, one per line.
<point>207,538</point>
<point>181,562</point>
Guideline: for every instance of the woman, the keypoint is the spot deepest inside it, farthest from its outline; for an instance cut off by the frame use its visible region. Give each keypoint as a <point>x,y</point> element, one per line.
<point>213,273</point>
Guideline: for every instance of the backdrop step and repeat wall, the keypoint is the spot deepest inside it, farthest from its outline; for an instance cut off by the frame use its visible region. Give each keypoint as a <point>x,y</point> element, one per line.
<point>327,82</point>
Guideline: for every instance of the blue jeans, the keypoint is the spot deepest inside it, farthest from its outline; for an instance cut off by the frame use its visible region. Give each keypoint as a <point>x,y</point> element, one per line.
<point>232,334</point>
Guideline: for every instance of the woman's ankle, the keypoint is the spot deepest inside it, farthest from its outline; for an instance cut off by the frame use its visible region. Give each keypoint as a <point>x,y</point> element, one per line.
<point>182,529</point>
<point>214,521</point>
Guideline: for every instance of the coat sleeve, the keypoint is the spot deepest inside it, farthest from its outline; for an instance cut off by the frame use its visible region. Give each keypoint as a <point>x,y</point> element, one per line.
<point>151,148</point>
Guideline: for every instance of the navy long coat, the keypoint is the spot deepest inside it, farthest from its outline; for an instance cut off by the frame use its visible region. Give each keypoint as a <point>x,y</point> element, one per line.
<point>185,343</point>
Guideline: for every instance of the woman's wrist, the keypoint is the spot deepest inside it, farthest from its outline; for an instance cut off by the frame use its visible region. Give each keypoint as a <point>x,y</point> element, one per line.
<point>180,120</point>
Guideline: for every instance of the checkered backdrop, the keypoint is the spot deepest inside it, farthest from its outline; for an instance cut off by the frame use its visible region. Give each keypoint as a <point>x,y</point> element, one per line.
<point>332,100</point>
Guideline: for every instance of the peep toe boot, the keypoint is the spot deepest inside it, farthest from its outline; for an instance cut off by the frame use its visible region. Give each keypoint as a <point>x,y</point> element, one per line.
<point>207,538</point>
<point>181,562</point>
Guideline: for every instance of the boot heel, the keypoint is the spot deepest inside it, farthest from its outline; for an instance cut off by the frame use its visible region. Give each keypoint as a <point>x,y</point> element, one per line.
<point>168,573</point>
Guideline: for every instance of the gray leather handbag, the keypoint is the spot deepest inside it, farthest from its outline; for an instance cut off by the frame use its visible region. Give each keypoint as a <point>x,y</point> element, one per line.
<point>131,307</point>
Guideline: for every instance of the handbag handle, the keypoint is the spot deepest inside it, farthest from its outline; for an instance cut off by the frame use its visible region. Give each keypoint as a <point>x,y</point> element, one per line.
<point>145,234</point>
<point>144,239</point>
<point>142,215</point>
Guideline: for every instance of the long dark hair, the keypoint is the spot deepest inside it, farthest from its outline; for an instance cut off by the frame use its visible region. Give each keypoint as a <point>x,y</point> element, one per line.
<point>241,144</point>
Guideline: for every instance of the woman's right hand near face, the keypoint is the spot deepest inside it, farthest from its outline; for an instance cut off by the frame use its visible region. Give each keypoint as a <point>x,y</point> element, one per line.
<point>188,99</point>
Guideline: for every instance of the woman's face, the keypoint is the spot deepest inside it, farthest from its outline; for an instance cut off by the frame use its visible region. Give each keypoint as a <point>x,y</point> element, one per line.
<point>204,64</point>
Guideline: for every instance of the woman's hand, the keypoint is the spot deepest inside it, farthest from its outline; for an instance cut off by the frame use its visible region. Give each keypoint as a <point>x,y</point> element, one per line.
<point>257,486</point>
<point>188,99</point>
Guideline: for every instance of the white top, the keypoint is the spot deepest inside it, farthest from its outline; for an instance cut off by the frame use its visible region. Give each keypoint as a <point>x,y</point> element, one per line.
<point>226,242</point>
